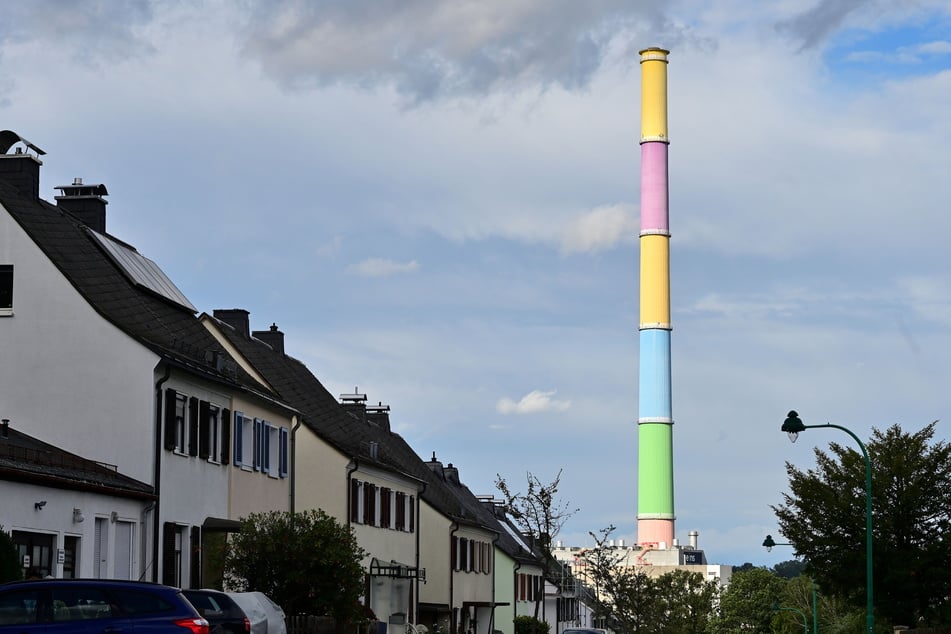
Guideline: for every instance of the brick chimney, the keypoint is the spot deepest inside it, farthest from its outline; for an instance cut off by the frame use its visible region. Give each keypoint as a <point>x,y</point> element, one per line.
<point>85,202</point>
<point>355,404</point>
<point>237,318</point>
<point>20,169</point>
<point>379,415</point>
<point>272,337</point>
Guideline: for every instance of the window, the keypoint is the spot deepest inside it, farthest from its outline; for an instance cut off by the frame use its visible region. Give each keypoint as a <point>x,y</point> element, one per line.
<point>470,555</point>
<point>175,419</point>
<point>209,430</point>
<point>174,540</point>
<point>6,289</point>
<point>259,445</point>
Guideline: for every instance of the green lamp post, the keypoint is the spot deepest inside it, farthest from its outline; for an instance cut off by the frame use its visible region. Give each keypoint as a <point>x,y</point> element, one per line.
<point>768,543</point>
<point>805,626</point>
<point>793,426</point>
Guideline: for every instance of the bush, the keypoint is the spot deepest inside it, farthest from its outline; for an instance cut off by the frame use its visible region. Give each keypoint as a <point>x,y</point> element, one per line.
<point>9,559</point>
<point>530,625</point>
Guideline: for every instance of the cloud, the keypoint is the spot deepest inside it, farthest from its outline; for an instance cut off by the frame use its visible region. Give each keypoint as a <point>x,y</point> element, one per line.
<point>91,31</point>
<point>532,403</point>
<point>599,229</point>
<point>431,49</point>
<point>379,267</point>
<point>814,26</point>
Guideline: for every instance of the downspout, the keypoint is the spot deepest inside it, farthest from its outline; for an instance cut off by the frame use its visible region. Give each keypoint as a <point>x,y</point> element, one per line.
<point>157,476</point>
<point>353,466</point>
<point>452,578</point>
<point>419,504</point>
<point>294,461</point>
<point>495,541</point>
<point>518,566</point>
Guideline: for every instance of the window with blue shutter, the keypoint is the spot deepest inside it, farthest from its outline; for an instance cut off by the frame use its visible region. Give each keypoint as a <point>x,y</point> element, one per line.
<point>282,469</point>
<point>238,439</point>
<point>265,447</point>
<point>256,460</point>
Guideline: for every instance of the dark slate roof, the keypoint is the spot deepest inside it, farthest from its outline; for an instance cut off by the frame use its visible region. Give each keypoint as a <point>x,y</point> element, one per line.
<point>167,328</point>
<point>351,431</point>
<point>25,459</point>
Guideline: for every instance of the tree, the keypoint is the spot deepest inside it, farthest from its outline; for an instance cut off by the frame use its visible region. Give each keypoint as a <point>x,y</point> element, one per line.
<point>636,602</point>
<point>824,519</point>
<point>747,603</point>
<point>307,562</point>
<point>789,569</point>
<point>538,512</point>
<point>9,559</point>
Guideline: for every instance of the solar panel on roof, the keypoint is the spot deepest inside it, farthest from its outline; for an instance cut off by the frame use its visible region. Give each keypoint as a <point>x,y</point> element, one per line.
<point>142,271</point>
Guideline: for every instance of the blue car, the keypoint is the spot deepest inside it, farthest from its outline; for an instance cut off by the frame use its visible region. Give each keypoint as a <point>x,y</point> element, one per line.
<point>83,606</point>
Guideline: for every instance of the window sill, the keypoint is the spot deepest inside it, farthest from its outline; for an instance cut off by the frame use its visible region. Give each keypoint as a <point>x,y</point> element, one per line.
<point>6,312</point>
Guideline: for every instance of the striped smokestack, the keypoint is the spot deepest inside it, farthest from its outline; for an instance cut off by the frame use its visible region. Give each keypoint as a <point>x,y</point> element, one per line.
<point>655,459</point>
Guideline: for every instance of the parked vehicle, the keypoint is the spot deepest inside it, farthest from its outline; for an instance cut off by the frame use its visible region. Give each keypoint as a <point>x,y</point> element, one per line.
<point>84,606</point>
<point>224,616</point>
<point>266,616</point>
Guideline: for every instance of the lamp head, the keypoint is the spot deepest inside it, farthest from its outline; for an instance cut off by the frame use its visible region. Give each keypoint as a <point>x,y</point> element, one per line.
<point>793,425</point>
<point>39,505</point>
<point>769,543</point>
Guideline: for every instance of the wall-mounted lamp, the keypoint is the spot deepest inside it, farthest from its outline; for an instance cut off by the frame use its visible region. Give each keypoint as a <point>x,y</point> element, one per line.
<point>78,516</point>
<point>114,517</point>
<point>39,505</point>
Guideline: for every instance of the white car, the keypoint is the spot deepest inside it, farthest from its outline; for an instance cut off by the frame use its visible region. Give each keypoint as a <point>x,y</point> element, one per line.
<point>266,616</point>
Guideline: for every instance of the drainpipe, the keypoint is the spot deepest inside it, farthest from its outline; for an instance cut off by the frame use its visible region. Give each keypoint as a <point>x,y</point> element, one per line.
<point>157,476</point>
<point>495,541</point>
<point>518,566</point>
<point>419,504</point>
<point>353,466</point>
<point>293,483</point>
<point>452,578</point>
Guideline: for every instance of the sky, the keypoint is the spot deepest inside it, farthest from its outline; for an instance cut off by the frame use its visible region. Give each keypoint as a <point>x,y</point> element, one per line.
<point>438,203</point>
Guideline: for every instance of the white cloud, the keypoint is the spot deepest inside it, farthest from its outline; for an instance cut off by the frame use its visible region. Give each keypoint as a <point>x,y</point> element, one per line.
<point>379,267</point>
<point>599,229</point>
<point>532,403</point>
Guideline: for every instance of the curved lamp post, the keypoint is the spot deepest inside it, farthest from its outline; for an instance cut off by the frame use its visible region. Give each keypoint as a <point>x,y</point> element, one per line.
<point>805,626</point>
<point>793,426</point>
<point>768,543</point>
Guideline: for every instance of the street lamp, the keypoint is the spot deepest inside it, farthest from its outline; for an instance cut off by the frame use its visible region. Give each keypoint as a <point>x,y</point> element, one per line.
<point>793,426</point>
<point>769,543</point>
<point>805,626</point>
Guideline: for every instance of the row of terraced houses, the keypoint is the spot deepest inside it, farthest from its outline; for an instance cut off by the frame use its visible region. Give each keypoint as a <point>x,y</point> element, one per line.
<point>137,431</point>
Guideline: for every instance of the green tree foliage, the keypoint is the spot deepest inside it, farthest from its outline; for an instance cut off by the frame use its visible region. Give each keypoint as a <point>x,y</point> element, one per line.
<point>789,569</point>
<point>9,559</point>
<point>636,602</point>
<point>530,625</point>
<point>747,602</point>
<point>307,562</point>
<point>824,519</point>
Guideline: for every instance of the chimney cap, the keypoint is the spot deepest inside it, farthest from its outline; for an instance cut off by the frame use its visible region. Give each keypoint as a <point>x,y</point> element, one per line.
<point>8,138</point>
<point>78,188</point>
<point>356,397</point>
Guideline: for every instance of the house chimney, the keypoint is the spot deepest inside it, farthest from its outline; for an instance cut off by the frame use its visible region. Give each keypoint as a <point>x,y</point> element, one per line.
<point>85,202</point>
<point>5,428</point>
<point>451,473</point>
<point>20,169</point>
<point>237,318</point>
<point>272,337</point>
<point>355,404</point>
<point>379,415</point>
<point>435,465</point>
